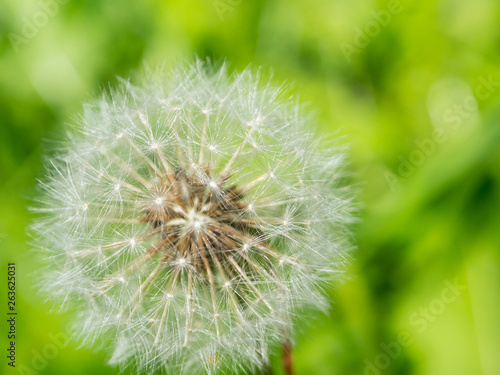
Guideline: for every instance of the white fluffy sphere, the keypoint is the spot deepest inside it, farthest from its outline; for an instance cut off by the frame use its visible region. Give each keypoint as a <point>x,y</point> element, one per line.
<point>190,219</point>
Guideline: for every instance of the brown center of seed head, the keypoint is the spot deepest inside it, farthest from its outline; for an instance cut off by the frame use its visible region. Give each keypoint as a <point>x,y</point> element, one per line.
<point>199,220</point>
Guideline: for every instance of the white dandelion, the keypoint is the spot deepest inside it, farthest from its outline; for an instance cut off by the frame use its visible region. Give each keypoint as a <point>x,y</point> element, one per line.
<point>191,219</point>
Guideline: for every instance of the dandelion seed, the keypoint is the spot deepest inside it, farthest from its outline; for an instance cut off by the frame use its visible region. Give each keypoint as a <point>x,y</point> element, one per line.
<point>225,229</point>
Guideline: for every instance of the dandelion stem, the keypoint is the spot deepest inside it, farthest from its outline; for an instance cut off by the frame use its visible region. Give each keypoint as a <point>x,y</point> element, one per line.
<point>287,358</point>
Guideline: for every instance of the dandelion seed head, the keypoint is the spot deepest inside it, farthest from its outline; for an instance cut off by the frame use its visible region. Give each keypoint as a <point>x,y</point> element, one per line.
<point>191,218</point>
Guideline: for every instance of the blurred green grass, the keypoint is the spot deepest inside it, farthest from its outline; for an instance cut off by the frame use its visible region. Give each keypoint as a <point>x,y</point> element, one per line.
<point>420,72</point>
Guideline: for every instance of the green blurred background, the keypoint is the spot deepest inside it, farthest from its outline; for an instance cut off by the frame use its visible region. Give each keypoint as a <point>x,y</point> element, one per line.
<point>413,87</point>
